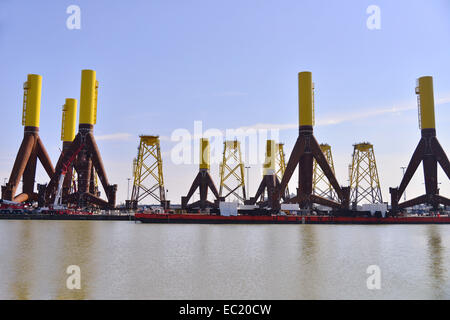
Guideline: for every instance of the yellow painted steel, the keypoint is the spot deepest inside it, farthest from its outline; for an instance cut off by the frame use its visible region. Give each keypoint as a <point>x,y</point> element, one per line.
<point>305,99</point>
<point>95,101</point>
<point>281,164</point>
<point>426,103</point>
<point>204,154</point>
<point>232,171</point>
<point>364,180</point>
<point>134,166</point>
<point>321,185</point>
<point>269,163</point>
<point>88,97</point>
<point>32,100</point>
<point>69,120</point>
<point>281,161</point>
<point>148,171</point>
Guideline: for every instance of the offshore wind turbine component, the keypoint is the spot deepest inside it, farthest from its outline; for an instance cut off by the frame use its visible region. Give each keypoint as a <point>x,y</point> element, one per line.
<point>269,182</point>
<point>232,171</point>
<point>89,155</point>
<point>203,182</point>
<point>429,152</point>
<point>31,148</point>
<point>148,178</point>
<point>68,130</point>
<point>281,165</point>
<point>306,149</point>
<point>364,180</point>
<point>321,185</point>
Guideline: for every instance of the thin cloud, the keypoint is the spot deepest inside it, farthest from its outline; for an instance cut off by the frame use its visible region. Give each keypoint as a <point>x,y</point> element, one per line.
<point>443,100</point>
<point>363,115</point>
<point>349,117</point>
<point>114,137</point>
<point>331,120</point>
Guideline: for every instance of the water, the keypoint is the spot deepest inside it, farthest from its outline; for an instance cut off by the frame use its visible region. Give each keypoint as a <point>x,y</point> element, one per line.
<point>124,260</point>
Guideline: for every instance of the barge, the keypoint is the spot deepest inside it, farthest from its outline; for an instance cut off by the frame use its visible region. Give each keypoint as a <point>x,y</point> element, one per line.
<point>285,219</point>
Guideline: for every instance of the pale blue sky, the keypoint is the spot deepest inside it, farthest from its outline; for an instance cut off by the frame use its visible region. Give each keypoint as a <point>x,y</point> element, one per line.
<point>164,64</point>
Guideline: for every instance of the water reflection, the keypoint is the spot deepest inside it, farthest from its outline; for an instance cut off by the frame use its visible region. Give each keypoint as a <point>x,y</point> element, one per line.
<point>74,248</point>
<point>309,268</point>
<point>436,264</point>
<point>20,286</point>
<point>308,243</point>
<point>121,260</point>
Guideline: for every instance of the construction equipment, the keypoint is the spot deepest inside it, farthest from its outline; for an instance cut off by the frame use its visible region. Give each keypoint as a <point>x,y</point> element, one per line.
<point>428,151</point>
<point>232,171</point>
<point>269,182</point>
<point>148,172</point>
<point>364,181</point>
<point>31,148</point>
<point>66,168</point>
<point>88,157</point>
<point>203,182</point>
<point>321,185</point>
<point>307,149</point>
<point>68,131</point>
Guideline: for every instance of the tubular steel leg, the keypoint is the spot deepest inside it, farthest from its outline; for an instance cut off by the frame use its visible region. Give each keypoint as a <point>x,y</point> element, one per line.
<point>203,182</point>
<point>293,161</point>
<point>430,152</point>
<point>307,149</point>
<point>441,157</point>
<point>430,174</point>
<point>63,158</point>
<point>44,158</point>
<point>30,173</point>
<point>412,167</point>
<point>23,155</point>
<point>271,184</point>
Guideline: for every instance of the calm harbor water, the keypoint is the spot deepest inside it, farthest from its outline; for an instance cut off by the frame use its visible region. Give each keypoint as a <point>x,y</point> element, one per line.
<point>124,260</point>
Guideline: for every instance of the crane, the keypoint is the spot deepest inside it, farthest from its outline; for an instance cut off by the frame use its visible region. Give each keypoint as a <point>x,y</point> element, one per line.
<point>57,204</point>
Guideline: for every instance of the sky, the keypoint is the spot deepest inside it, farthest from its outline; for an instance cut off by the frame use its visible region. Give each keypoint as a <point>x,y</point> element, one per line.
<point>162,65</point>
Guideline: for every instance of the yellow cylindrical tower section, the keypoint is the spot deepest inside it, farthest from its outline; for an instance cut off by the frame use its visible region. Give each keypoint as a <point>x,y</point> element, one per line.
<point>305,99</point>
<point>32,101</point>
<point>204,153</point>
<point>426,102</point>
<point>269,164</point>
<point>88,97</point>
<point>69,120</point>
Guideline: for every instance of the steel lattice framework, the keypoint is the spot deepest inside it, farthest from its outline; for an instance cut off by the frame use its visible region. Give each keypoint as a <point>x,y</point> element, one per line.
<point>280,164</point>
<point>364,181</point>
<point>232,171</point>
<point>148,171</point>
<point>321,185</point>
